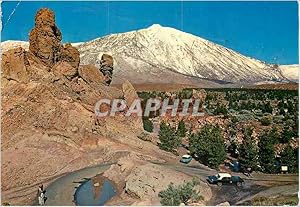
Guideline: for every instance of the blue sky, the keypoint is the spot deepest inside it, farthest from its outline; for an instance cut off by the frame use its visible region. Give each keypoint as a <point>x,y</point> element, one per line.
<point>264,30</point>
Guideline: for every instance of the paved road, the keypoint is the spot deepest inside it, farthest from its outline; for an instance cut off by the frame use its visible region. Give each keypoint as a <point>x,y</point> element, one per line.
<point>61,192</point>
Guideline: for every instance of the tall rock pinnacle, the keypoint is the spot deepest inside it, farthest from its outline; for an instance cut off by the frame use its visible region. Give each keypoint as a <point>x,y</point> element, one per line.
<point>45,41</point>
<point>45,37</point>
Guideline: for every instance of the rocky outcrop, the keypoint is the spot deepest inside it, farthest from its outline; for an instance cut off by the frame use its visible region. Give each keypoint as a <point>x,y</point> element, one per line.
<point>144,180</point>
<point>106,67</point>
<point>70,54</point>
<point>14,65</point>
<point>45,38</point>
<point>65,69</point>
<point>129,93</point>
<point>45,41</point>
<point>91,74</point>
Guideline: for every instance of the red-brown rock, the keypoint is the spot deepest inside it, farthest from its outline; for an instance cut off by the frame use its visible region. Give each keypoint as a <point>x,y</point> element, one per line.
<point>91,74</point>
<point>14,65</point>
<point>71,55</point>
<point>45,38</point>
<point>66,69</point>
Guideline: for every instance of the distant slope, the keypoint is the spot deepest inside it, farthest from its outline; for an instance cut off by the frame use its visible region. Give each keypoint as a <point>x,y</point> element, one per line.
<point>11,44</point>
<point>291,72</point>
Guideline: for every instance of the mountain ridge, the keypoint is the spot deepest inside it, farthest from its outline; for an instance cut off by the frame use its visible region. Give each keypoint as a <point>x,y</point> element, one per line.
<point>150,53</point>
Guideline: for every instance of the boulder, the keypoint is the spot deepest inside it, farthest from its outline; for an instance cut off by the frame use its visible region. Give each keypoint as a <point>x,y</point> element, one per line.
<point>71,55</point>
<point>45,37</point>
<point>14,65</point>
<point>106,67</point>
<point>129,93</point>
<point>91,74</point>
<point>146,181</point>
<point>226,203</point>
<point>64,68</point>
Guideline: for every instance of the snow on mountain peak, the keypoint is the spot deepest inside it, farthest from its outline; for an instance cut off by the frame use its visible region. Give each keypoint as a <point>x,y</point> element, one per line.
<point>155,27</point>
<point>167,48</point>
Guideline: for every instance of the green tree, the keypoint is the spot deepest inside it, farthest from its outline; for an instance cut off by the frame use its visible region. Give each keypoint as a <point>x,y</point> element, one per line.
<point>268,108</point>
<point>175,195</point>
<point>220,109</point>
<point>248,150</point>
<point>289,158</point>
<point>286,135</point>
<point>169,140</point>
<point>147,124</point>
<point>181,129</point>
<point>266,150</point>
<point>208,145</point>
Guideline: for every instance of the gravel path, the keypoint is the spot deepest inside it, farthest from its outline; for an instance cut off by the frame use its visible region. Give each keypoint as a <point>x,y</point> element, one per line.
<point>61,192</point>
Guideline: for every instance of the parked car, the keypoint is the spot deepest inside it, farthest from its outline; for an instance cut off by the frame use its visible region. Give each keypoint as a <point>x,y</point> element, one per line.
<point>225,179</point>
<point>186,159</point>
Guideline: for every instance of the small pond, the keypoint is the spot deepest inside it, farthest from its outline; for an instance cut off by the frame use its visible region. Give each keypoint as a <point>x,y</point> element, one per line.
<point>85,194</point>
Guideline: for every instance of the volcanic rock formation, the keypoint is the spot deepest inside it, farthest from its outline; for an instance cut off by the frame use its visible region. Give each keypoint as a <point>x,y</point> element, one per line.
<point>14,65</point>
<point>45,38</point>
<point>106,67</point>
<point>45,41</point>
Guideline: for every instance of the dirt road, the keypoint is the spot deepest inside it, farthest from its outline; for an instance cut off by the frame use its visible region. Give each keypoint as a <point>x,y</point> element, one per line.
<point>257,185</point>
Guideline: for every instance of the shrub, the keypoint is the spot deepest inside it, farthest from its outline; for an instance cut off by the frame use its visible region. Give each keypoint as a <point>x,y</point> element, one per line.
<point>266,120</point>
<point>175,195</point>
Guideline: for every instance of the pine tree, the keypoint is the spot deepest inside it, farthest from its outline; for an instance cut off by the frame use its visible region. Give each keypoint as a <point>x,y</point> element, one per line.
<point>169,140</point>
<point>289,159</point>
<point>248,151</point>
<point>181,129</point>
<point>286,135</point>
<point>208,145</point>
<point>267,151</point>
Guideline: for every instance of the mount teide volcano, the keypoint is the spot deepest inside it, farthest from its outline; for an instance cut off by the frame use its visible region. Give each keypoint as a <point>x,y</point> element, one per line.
<point>160,55</point>
<point>166,55</point>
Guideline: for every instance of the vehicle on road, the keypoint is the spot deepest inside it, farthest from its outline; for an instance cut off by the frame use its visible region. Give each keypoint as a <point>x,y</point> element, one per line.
<point>186,159</point>
<point>225,179</point>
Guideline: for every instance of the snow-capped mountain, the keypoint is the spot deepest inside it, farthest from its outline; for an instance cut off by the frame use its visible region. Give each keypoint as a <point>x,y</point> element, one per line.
<point>291,72</point>
<point>157,49</point>
<point>165,55</point>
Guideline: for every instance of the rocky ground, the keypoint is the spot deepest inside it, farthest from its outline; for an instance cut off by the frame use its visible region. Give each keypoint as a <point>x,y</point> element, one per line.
<point>49,127</point>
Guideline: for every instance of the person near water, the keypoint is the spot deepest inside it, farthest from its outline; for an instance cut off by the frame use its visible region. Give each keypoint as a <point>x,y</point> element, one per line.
<point>41,195</point>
